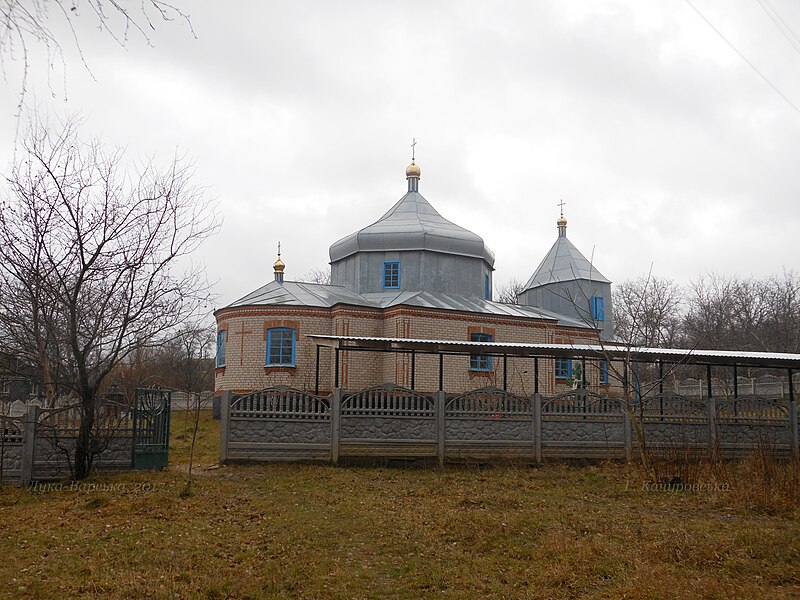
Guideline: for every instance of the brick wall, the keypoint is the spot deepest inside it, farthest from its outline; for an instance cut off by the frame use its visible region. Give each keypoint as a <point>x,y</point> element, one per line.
<point>245,368</point>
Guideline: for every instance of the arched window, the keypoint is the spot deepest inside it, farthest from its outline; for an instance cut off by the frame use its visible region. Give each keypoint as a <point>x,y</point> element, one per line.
<point>480,362</point>
<point>598,306</point>
<point>563,368</point>
<point>603,369</point>
<point>222,336</point>
<point>281,346</point>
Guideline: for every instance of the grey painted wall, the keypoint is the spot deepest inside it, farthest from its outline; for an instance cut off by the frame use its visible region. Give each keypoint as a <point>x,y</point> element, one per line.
<point>420,270</point>
<point>571,299</point>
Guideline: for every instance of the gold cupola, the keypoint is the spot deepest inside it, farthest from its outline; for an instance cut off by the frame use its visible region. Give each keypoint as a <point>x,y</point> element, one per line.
<point>412,170</point>
<point>278,266</point>
<point>562,226</point>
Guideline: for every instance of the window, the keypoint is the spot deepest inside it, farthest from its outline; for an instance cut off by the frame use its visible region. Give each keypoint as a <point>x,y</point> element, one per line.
<point>603,368</point>
<point>563,368</point>
<point>478,362</point>
<point>487,288</point>
<point>391,274</point>
<point>281,343</point>
<point>222,336</point>
<point>598,308</point>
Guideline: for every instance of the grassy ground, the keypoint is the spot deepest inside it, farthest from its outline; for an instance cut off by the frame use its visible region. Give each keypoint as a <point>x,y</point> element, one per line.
<point>295,531</point>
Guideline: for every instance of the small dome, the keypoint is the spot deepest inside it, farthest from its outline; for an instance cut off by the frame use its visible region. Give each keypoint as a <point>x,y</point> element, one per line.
<point>562,221</point>
<point>279,265</point>
<point>412,170</point>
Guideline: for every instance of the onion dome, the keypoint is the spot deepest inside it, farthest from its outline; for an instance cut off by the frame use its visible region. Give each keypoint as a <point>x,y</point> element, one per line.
<point>278,266</point>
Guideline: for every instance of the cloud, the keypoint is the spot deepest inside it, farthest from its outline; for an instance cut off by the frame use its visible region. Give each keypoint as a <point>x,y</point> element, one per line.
<point>666,147</point>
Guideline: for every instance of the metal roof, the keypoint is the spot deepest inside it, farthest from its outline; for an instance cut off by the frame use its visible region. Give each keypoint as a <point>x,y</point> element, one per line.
<point>564,262</point>
<point>295,293</point>
<point>670,355</point>
<point>413,224</point>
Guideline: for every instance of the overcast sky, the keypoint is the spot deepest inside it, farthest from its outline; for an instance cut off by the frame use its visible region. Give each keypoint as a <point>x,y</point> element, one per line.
<point>667,148</point>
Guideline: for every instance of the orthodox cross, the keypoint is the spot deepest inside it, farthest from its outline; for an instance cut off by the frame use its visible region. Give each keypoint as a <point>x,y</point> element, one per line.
<point>413,150</point>
<point>279,249</point>
<point>561,204</point>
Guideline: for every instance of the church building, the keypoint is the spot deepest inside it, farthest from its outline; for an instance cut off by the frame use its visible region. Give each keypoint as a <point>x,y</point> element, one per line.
<point>413,274</point>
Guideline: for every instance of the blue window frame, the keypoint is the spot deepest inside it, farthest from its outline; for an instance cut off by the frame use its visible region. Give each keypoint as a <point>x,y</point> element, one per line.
<point>598,305</point>
<point>391,274</point>
<point>281,346</point>
<point>487,288</point>
<point>222,337</point>
<point>480,362</point>
<point>563,368</point>
<point>603,368</point>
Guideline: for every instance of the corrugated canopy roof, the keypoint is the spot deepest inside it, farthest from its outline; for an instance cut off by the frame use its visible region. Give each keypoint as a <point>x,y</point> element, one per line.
<point>669,355</point>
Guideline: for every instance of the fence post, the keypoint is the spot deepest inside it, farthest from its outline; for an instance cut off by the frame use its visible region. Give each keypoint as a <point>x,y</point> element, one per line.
<point>537,427</point>
<point>336,420</point>
<point>29,445</point>
<point>711,406</point>
<point>627,432</point>
<point>794,428</point>
<point>225,423</point>
<point>440,402</point>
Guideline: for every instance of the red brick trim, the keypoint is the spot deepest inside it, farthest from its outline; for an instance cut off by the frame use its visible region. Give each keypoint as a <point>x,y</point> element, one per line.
<point>479,329</point>
<point>282,323</point>
<point>280,369</point>
<point>239,311</point>
<point>481,374</point>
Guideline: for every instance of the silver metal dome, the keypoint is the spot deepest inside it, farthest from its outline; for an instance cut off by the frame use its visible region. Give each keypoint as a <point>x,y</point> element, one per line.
<point>413,224</point>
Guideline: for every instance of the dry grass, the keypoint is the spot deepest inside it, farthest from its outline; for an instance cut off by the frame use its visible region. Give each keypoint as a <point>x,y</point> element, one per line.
<point>299,531</point>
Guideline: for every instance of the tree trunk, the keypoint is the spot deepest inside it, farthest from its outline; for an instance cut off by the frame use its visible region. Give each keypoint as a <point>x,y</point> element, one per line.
<point>84,448</point>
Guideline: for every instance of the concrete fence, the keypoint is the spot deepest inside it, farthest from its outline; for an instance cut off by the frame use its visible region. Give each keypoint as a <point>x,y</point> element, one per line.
<point>37,445</point>
<point>489,424</point>
<point>769,386</point>
<point>189,401</point>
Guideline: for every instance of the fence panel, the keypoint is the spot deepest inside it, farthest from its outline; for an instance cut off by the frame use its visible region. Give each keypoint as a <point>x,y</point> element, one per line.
<point>57,433</point>
<point>753,422</point>
<point>489,423</point>
<point>279,423</point>
<point>672,421</point>
<point>11,434</point>
<point>388,421</point>
<point>582,424</point>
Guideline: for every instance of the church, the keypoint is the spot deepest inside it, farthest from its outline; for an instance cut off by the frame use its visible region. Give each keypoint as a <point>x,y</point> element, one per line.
<point>413,274</point>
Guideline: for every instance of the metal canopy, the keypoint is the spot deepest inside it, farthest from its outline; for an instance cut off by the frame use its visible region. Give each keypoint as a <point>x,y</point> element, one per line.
<point>607,352</point>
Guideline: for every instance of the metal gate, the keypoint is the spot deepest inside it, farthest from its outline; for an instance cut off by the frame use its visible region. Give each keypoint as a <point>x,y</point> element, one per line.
<point>151,428</point>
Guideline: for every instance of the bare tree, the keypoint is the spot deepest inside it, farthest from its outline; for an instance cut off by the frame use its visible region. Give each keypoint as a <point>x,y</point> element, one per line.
<point>727,312</point>
<point>89,262</point>
<point>648,311</point>
<point>508,293</point>
<point>322,276</point>
<point>28,23</point>
<point>783,323</point>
